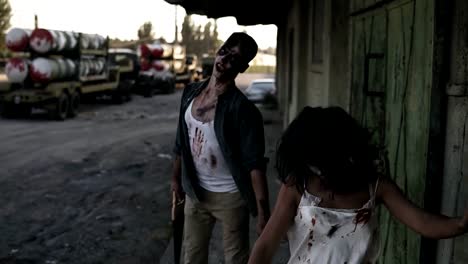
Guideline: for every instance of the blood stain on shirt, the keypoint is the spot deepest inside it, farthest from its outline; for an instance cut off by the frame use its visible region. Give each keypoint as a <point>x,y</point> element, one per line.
<point>197,143</point>
<point>311,238</point>
<point>213,161</point>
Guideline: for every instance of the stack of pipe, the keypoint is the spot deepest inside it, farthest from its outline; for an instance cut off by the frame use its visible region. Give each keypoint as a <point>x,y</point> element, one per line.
<point>154,57</point>
<point>45,41</point>
<point>45,70</point>
<point>42,68</point>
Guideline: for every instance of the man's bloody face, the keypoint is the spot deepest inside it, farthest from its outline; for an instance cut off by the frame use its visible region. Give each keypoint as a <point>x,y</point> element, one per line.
<point>228,63</point>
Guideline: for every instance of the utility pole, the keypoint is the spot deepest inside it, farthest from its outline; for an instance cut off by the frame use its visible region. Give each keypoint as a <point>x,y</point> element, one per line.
<point>176,37</point>
<point>35,21</point>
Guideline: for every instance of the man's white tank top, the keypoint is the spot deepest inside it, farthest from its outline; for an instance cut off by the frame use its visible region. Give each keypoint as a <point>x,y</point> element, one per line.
<point>212,170</point>
<point>330,236</point>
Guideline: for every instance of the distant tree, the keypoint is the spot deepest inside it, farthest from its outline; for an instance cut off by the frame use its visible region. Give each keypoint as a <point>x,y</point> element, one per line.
<point>199,33</point>
<point>199,39</point>
<point>187,31</point>
<point>5,15</point>
<point>207,37</point>
<point>162,40</point>
<point>146,31</point>
<point>198,47</point>
<point>118,43</point>
<point>214,38</point>
<point>270,50</point>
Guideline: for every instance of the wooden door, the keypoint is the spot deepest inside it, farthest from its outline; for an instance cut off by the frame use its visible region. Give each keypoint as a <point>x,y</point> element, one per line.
<point>391,91</point>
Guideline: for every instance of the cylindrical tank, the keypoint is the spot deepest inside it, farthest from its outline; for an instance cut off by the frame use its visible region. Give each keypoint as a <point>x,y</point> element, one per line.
<point>64,69</point>
<point>61,68</point>
<point>61,40</point>
<point>101,65</point>
<point>144,51</point>
<point>17,39</point>
<point>179,52</point>
<point>102,40</point>
<point>92,41</point>
<point>84,69</point>
<point>42,40</point>
<point>44,70</point>
<point>71,40</point>
<point>85,43</point>
<point>145,64</point>
<point>17,70</point>
<point>99,41</point>
<point>94,67</point>
<point>158,65</point>
<point>87,67</point>
<point>155,51</point>
<point>71,67</point>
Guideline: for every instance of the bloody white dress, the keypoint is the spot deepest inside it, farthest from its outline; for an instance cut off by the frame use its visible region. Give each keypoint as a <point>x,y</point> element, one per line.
<point>324,235</point>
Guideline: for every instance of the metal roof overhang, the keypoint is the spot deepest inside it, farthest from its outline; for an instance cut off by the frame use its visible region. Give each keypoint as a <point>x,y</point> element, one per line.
<point>247,12</point>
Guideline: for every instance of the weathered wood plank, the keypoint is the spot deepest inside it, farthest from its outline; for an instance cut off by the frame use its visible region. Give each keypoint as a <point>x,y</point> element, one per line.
<point>402,36</point>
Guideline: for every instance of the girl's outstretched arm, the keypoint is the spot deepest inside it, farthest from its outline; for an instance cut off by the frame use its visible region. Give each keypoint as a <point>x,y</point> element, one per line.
<point>279,223</point>
<point>427,224</point>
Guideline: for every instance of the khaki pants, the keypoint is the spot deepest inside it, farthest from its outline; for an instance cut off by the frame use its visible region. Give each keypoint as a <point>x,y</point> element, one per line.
<point>232,212</point>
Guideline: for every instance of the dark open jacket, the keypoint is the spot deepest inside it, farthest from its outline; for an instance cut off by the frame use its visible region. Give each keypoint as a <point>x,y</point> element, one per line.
<point>238,126</point>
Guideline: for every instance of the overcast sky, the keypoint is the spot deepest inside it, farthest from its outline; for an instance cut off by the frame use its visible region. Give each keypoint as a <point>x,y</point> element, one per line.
<point>122,18</point>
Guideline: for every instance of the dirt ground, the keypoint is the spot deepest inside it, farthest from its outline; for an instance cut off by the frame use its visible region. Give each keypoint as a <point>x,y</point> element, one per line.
<point>94,189</point>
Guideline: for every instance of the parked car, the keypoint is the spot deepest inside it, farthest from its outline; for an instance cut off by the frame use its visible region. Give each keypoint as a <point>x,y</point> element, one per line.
<point>263,92</point>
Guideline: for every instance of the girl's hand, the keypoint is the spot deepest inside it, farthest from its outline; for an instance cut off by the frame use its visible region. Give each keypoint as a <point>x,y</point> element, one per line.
<point>436,226</point>
<point>464,222</point>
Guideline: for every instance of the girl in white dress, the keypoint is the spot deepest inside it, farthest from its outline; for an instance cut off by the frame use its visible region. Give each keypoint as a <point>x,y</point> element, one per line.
<point>330,189</point>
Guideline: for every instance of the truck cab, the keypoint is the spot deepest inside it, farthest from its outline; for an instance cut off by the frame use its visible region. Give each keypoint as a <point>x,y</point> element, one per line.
<point>129,68</point>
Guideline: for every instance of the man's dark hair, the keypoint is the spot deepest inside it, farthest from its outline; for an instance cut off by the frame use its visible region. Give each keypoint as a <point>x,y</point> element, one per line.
<point>247,45</point>
<point>326,143</point>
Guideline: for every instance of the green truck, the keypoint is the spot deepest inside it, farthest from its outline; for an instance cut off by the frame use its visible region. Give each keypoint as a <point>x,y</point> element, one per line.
<point>61,97</point>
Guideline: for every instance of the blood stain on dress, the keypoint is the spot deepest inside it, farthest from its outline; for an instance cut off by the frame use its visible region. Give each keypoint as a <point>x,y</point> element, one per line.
<point>362,217</point>
<point>311,238</point>
<point>332,230</point>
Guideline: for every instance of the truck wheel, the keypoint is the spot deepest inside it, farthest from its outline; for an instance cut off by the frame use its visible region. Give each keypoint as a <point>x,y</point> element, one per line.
<point>24,110</point>
<point>61,107</point>
<point>128,97</point>
<point>74,104</point>
<point>128,87</point>
<point>118,97</point>
<point>15,111</point>
<point>148,91</point>
<point>6,110</point>
<point>171,87</point>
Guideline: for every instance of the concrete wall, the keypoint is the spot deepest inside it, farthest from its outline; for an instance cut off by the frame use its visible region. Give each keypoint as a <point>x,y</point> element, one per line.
<point>263,59</point>
<point>289,72</point>
<point>340,72</point>
<point>315,82</point>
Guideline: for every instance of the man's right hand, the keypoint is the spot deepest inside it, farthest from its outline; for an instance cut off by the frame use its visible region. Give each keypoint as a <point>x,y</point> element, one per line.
<point>177,189</point>
<point>176,186</point>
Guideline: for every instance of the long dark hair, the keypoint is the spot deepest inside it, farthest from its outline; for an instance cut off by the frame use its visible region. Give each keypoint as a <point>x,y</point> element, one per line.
<point>326,143</point>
